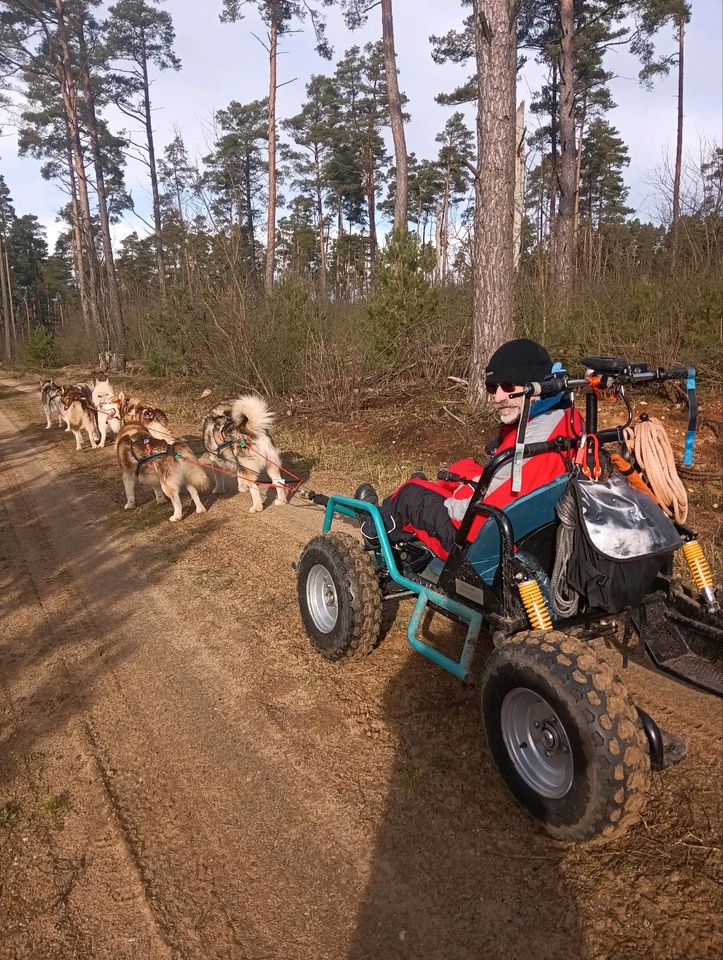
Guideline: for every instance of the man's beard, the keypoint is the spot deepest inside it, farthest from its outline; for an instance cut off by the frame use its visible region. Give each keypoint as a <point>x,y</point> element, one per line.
<point>508,413</point>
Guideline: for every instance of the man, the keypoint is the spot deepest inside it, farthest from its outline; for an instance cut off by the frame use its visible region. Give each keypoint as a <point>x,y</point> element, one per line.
<point>432,511</point>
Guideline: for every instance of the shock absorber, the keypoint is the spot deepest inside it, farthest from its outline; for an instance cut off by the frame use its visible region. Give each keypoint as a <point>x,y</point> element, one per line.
<point>700,572</point>
<point>534,604</point>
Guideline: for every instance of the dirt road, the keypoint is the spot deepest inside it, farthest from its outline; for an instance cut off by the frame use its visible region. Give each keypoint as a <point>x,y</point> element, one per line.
<point>181,777</point>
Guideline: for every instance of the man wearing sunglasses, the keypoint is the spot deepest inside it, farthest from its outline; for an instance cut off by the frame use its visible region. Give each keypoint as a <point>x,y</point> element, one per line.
<point>432,511</point>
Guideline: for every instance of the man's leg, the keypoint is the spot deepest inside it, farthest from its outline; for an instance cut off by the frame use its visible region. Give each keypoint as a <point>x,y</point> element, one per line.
<point>418,509</point>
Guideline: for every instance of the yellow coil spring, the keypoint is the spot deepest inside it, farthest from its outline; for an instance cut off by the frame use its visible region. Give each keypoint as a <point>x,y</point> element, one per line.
<point>697,564</point>
<point>535,606</point>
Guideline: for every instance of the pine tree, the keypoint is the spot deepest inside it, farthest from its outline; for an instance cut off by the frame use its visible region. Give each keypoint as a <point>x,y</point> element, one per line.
<point>279,17</point>
<point>236,170</point>
<point>454,163</point>
<point>140,36</point>
<point>7,218</point>
<point>313,129</point>
<point>655,15</point>
<point>356,13</point>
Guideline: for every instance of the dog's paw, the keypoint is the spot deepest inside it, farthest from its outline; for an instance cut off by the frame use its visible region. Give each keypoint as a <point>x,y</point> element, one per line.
<point>255,509</point>
<point>278,502</point>
<point>174,518</point>
<point>201,509</point>
<point>129,506</point>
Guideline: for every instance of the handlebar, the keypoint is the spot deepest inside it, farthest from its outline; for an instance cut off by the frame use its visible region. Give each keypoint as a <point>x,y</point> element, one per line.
<point>607,373</point>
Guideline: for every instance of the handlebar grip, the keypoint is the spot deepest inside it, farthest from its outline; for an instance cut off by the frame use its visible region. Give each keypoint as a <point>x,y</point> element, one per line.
<point>675,373</point>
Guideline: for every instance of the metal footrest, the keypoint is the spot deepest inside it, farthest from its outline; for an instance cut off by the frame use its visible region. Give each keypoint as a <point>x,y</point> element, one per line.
<point>693,669</point>
<point>666,640</point>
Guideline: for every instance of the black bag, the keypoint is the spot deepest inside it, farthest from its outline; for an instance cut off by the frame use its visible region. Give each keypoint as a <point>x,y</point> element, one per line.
<point>622,541</point>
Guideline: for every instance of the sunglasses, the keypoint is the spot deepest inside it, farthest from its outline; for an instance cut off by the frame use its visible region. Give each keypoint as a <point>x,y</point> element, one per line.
<point>505,387</point>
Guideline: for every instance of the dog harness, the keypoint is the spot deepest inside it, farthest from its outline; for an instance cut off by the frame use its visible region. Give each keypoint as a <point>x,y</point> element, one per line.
<point>140,462</point>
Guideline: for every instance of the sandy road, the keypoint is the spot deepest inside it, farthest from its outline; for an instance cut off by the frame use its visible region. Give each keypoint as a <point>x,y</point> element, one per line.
<point>227,794</point>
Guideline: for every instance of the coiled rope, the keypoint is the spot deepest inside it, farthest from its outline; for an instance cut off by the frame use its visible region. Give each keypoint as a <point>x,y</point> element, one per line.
<point>650,445</point>
<point>565,601</point>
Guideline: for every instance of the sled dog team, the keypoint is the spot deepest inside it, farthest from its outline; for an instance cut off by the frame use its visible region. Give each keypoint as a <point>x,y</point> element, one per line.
<point>236,436</point>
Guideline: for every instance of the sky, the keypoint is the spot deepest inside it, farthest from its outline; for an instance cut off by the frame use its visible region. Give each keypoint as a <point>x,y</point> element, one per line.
<point>224,62</point>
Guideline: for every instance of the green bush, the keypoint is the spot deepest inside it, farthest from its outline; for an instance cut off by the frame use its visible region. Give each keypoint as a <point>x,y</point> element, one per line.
<point>42,348</point>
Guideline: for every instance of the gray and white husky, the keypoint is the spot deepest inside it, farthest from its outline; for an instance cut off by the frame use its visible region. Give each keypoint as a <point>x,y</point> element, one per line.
<point>50,393</point>
<point>237,438</point>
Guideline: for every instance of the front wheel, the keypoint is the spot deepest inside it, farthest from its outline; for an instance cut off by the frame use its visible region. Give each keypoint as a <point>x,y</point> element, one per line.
<point>565,736</point>
<point>339,596</point>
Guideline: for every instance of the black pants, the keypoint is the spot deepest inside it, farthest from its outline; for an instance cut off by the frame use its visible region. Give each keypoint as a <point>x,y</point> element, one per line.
<point>422,509</point>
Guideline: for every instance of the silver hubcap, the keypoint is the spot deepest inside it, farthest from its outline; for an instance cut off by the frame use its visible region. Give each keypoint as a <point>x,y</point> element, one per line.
<point>537,743</point>
<point>321,598</point>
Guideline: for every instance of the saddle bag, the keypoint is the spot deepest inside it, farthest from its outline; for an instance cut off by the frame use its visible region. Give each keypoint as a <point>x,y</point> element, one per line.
<point>622,540</point>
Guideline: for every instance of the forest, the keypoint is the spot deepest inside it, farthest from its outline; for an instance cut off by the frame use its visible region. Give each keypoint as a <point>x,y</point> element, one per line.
<point>316,253</point>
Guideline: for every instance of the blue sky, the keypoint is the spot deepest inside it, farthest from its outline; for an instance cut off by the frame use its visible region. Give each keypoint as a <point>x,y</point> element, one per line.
<point>222,62</point>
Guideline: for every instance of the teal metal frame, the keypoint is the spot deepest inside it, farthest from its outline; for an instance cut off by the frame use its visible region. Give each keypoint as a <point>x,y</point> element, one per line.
<point>349,507</point>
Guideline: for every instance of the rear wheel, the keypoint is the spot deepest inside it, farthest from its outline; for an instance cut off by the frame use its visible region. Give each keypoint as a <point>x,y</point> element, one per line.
<point>339,596</point>
<point>565,736</point>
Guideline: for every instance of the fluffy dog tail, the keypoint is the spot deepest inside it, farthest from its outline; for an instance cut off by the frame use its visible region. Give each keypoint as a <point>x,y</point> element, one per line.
<point>192,472</point>
<point>251,413</point>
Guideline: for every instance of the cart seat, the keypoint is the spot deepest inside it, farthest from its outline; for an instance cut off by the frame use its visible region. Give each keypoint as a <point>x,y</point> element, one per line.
<point>529,513</point>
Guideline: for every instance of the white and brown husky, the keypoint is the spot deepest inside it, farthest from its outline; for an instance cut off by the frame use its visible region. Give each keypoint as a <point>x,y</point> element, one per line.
<point>237,438</point>
<point>105,410</point>
<point>79,414</point>
<point>167,466</point>
<point>50,392</point>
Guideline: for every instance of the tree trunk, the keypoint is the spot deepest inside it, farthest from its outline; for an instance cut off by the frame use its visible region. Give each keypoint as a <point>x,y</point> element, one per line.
<point>368,164</point>
<point>564,248</point>
<point>320,219</point>
<point>678,141</point>
<point>250,217</point>
<point>77,243</point>
<point>4,289</point>
<point>116,311</point>
<point>493,271</point>
<point>271,228</point>
<point>395,117</point>
<point>519,182</point>
<point>553,160</point>
<point>578,168</point>
<point>157,222</point>
<point>69,94</point>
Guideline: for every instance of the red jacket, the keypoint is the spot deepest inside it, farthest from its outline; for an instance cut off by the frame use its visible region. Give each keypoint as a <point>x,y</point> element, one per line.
<point>536,472</point>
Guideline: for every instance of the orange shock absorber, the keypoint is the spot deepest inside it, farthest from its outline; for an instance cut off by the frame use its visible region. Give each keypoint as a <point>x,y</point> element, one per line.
<point>534,604</point>
<point>699,570</point>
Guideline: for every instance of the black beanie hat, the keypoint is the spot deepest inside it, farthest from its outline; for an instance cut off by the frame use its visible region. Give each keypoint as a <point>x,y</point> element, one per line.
<point>518,362</point>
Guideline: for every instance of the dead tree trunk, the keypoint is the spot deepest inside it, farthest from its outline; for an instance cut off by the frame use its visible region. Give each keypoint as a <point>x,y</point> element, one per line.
<point>493,269</point>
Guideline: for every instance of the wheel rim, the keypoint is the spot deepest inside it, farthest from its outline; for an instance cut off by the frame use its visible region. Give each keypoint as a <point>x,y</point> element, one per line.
<point>321,598</point>
<point>537,743</point>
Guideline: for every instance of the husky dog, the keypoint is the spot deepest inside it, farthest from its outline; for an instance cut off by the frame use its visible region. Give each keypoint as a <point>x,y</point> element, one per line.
<point>105,411</point>
<point>166,473</point>
<point>50,393</point>
<point>132,410</point>
<point>236,436</point>
<point>78,412</point>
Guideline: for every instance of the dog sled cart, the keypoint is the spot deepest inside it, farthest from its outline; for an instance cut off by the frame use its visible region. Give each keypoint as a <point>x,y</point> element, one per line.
<point>586,556</point>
